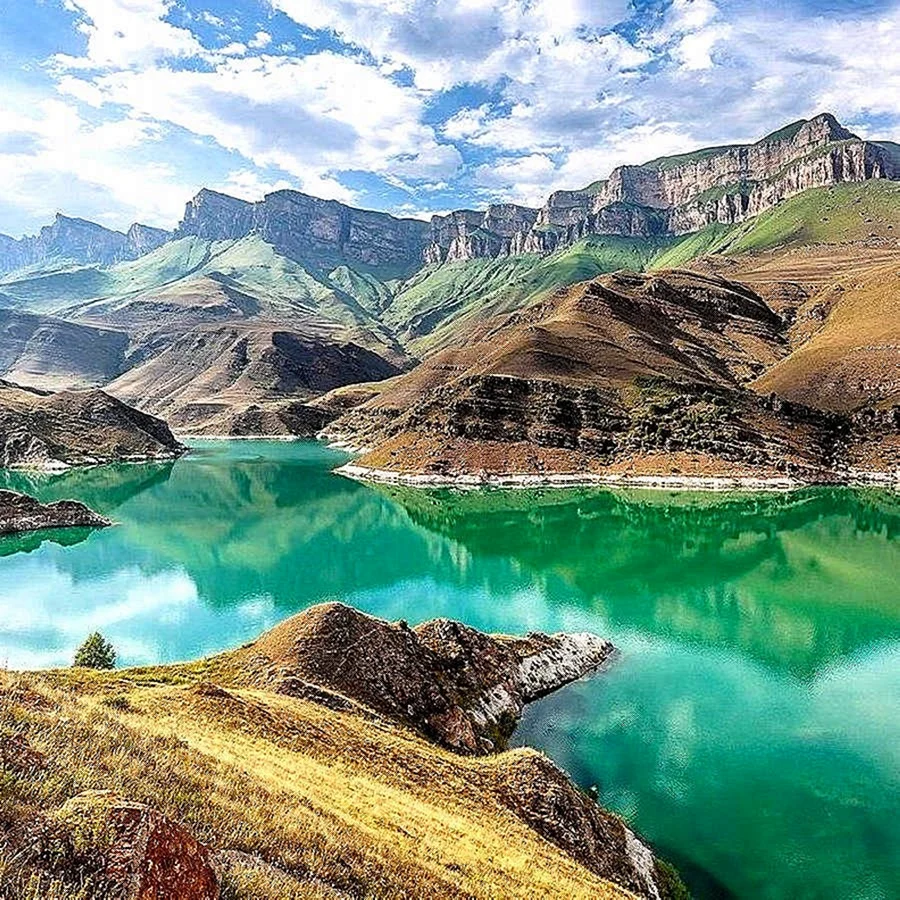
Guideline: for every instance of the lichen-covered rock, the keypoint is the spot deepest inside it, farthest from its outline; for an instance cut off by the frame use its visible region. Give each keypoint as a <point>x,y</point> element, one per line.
<point>131,847</point>
<point>458,686</point>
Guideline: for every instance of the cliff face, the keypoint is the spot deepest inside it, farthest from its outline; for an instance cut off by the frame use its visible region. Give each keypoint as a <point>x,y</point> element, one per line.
<point>309,229</point>
<point>675,195</point>
<point>79,241</point>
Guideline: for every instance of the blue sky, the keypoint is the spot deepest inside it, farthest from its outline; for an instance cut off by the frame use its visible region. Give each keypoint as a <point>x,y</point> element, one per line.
<point>120,110</point>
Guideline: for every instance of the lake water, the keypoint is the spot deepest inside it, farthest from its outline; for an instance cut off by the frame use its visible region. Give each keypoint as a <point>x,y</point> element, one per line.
<point>749,729</point>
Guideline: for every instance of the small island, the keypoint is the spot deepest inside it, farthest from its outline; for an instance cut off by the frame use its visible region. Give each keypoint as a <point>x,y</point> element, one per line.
<point>20,513</point>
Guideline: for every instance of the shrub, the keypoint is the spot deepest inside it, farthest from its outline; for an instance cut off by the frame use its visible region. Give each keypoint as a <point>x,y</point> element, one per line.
<point>96,653</point>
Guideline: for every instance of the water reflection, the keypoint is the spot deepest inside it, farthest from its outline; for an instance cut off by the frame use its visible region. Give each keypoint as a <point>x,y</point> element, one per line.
<point>798,579</point>
<point>250,533</point>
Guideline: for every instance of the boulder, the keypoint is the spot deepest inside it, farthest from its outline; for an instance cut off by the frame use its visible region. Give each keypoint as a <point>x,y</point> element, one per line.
<point>134,848</point>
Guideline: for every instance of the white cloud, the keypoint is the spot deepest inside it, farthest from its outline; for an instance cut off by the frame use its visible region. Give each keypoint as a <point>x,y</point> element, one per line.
<point>210,19</point>
<point>451,43</point>
<point>69,164</point>
<point>260,40</point>
<point>128,34</point>
<point>235,48</point>
<point>310,117</point>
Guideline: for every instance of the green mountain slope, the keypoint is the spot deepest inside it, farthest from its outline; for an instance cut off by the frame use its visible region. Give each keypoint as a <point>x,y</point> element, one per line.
<point>831,215</point>
<point>434,305</point>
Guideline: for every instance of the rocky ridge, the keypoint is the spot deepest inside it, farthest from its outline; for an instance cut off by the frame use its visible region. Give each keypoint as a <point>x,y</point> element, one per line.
<point>456,685</point>
<point>673,195</point>
<point>324,232</point>
<point>72,240</point>
<point>39,430</point>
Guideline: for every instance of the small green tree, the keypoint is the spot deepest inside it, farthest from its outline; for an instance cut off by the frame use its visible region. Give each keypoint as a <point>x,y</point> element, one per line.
<point>96,653</point>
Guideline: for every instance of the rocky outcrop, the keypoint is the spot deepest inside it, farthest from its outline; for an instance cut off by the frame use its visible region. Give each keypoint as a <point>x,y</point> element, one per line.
<point>467,234</point>
<point>456,685</point>
<point>320,232</point>
<point>77,428</point>
<point>127,849</point>
<point>675,195</point>
<point>72,240</point>
<point>540,794</point>
<point>19,513</point>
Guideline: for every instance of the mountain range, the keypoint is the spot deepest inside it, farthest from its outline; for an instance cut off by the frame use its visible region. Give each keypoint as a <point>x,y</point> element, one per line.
<point>244,316</point>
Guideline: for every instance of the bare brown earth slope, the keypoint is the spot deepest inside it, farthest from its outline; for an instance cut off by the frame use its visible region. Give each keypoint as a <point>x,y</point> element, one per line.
<point>841,307</point>
<point>246,378</point>
<point>77,428</point>
<point>626,374</point>
<point>254,778</point>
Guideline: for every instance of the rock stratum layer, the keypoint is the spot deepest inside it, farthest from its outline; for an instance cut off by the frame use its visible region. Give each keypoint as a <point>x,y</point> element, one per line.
<point>77,428</point>
<point>20,513</point>
<point>304,764</point>
<point>673,195</point>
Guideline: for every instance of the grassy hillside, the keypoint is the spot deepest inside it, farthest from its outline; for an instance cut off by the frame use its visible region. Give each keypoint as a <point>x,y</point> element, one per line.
<point>832,215</point>
<point>851,358</point>
<point>343,805</point>
<point>441,300</point>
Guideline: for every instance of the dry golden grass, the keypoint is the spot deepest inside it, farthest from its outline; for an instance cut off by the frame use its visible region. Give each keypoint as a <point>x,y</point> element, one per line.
<point>851,352</point>
<point>340,802</point>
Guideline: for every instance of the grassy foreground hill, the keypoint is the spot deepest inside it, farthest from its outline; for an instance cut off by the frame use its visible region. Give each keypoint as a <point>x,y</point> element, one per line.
<point>297,792</point>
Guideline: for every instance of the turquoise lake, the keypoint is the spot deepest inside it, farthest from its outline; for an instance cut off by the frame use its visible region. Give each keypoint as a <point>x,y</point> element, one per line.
<point>749,728</point>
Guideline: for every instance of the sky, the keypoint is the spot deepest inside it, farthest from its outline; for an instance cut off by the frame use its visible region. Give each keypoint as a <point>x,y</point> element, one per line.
<point>121,110</point>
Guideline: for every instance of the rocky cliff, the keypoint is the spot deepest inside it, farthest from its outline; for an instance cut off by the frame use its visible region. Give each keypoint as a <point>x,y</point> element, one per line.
<point>674,195</point>
<point>70,240</point>
<point>322,232</point>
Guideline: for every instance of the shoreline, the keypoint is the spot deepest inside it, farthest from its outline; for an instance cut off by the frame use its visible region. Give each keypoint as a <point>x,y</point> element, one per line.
<point>590,479</point>
<point>281,438</point>
<point>60,468</point>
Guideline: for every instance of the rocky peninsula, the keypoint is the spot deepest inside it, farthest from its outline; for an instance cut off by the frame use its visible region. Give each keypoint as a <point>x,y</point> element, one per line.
<point>56,431</point>
<point>338,755</point>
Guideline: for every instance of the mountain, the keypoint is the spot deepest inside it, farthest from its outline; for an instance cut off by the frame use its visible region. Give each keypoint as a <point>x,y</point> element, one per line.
<point>246,379</point>
<point>245,280</point>
<point>50,353</point>
<point>324,233</point>
<point>78,241</point>
<point>39,430</point>
<point>625,374</point>
<point>673,195</point>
